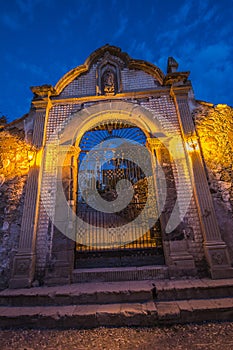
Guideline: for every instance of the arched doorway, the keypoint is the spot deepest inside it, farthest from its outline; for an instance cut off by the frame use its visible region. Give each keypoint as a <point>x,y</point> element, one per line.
<point>130,244</point>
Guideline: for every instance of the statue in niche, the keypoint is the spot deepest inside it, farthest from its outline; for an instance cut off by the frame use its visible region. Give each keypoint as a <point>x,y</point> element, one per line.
<point>108,82</point>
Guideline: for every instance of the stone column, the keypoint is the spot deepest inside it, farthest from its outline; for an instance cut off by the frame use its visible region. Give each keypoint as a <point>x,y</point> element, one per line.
<point>215,249</point>
<point>177,256</point>
<point>155,146</point>
<point>24,260</point>
<point>63,245</point>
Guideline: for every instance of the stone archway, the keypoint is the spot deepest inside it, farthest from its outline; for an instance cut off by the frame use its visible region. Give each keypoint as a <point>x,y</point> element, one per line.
<point>176,253</point>
<point>68,152</point>
<point>64,148</point>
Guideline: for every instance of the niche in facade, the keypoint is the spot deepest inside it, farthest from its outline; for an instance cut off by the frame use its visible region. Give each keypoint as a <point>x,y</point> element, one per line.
<point>108,77</point>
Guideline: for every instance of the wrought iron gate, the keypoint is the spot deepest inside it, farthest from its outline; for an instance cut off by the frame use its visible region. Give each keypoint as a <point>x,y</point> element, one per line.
<point>141,248</point>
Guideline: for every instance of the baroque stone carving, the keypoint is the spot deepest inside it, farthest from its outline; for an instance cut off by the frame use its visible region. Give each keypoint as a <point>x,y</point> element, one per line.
<point>108,82</point>
<point>108,73</point>
<point>176,78</point>
<point>22,267</point>
<point>43,90</point>
<point>217,258</point>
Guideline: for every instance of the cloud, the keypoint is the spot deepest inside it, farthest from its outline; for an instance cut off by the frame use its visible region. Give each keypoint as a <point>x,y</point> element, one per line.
<point>141,50</point>
<point>121,27</point>
<point>214,53</point>
<point>188,22</point>
<point>34,69</point>
<point>75,13</point>
<point>211,68</point>
<point>182,13</point>
<point>96,21</point>
<point>200,39</point>
<point>27,7</point>
<point>10,21</point>
<point>24,11</point>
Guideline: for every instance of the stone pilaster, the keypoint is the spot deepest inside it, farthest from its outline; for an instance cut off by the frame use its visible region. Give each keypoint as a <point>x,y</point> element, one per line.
<point>62,259</point>
<point>156,148</point>
<point>215,249</point>
<point>177,257</point>
<point>24,261</point>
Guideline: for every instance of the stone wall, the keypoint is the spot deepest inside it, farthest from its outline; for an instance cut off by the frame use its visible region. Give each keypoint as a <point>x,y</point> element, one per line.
<point>14,166</point>
<point>214,126</point>
<point>83,85</point>
<point>133,79</point>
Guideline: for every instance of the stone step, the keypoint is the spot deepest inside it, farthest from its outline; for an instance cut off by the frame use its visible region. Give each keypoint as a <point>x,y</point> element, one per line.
<point>192,289</point>
<point>126,314</point>
<point>118,292</point>
<point>120,274</point>
<point>78,294</point>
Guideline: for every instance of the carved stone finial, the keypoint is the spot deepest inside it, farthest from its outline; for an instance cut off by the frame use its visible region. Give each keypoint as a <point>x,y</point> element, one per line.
<point>43,90</point>
<point>172,65</point>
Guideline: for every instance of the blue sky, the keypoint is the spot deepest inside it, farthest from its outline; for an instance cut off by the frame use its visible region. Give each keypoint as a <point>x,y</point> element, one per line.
<point>43,39</point>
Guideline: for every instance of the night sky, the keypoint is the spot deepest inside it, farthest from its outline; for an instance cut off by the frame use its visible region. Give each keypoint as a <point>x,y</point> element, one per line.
<point>43,39</point>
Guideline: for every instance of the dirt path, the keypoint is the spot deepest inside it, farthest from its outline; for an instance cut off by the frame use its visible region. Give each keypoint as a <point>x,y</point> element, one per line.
<point>207,336</point>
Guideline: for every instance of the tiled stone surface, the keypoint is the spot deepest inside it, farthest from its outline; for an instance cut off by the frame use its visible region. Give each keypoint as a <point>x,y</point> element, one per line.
<point>131,79</point>
<point>137,80</point>
<point>84,85</point>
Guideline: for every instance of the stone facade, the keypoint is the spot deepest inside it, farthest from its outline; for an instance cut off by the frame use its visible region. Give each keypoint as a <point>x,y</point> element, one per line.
<point>190,141</point>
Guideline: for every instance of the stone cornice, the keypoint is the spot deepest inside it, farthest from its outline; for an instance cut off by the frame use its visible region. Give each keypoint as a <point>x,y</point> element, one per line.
<point>180,91</point>
<point>147,68</point>
<point>176,78</point>
<point>42,103</point>
<point>42,90</point>
<point>99,98</point>
<point>154,143</point>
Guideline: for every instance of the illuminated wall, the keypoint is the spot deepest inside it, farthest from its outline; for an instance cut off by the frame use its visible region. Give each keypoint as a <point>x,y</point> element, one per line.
<point>15,160</point>
<point>214,125</point>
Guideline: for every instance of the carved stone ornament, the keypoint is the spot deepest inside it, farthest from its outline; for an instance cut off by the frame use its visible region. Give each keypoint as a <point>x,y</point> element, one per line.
<point>217,258</point>
<point>43,90</point>
<point>108,82</point>
<point>176,78</point>
<point>22,267</point>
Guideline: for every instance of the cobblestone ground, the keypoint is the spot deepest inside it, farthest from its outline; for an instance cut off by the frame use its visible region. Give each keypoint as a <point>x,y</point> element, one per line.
<point>207,336</point>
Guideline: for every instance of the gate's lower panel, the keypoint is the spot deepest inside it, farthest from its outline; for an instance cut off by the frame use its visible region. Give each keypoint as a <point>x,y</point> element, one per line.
<point>116,258</point>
